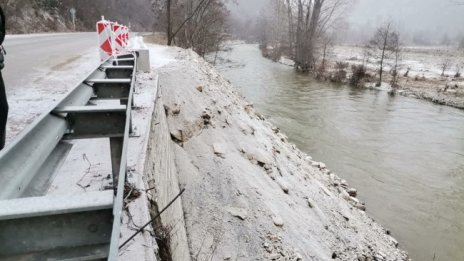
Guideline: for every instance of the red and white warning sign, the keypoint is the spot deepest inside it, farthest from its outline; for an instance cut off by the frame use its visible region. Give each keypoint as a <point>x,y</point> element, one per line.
<point>117,34</point>
<point>105,39</point>
<point>113,38</point>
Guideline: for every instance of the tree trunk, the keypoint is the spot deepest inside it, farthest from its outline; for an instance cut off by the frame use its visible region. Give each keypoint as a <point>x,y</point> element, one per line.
<point>169,29</point>
<point>306,35</point>
<point>382,58</point>
<point>299,36</point>
<point>290,29</point>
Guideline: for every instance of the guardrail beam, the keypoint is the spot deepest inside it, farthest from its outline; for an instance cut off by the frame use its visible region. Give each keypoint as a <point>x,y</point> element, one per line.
<point>88,122</point>
<point>110,91</point>
<point>83,227</point>
<point>72,226</point>
<point>116,72</point>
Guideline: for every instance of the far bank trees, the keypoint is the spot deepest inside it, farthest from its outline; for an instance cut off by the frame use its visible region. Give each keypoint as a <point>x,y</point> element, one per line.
<point>298,28</point>
<point>385,44</point>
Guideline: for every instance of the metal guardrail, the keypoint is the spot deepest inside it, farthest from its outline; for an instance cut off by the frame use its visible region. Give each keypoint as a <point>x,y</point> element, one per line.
<point>86,226</point>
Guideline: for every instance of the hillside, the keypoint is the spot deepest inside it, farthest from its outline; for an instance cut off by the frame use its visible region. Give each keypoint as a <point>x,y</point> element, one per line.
<point>34,16</point>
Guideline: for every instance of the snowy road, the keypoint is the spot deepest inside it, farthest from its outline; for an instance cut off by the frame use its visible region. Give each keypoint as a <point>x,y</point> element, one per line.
<point>40,69</point>
<point>28,55</point>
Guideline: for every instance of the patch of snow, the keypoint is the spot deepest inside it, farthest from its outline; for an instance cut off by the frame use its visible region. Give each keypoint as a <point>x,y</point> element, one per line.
<point>159,55</point>
<point>136,42</point>
<point>287,61</point>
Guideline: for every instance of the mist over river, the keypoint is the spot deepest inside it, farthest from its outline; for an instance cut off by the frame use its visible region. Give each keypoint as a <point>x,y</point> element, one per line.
<point>405,156</point>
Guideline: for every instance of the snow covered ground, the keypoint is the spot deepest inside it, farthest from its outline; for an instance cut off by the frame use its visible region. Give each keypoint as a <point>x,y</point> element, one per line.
<point>424,79</point>
<point>422,61</point>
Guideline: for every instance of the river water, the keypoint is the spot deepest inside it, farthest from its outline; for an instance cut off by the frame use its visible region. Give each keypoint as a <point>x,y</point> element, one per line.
<point>405,156</point>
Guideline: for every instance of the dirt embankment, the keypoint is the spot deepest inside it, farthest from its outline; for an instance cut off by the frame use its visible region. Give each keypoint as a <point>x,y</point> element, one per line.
<point>250,194</point>
<point>35,16</point>
<point>24,17</point>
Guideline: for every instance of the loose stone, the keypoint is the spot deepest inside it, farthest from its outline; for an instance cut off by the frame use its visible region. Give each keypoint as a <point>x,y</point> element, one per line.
<point>278,221</point>
<point>353,192</point>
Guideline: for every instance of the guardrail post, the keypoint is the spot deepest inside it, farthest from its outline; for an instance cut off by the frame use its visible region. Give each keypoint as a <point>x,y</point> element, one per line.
<point>116,145</point>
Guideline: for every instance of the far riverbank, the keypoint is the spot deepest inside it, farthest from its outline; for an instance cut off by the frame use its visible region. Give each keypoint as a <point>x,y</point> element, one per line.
<point>420,75</point>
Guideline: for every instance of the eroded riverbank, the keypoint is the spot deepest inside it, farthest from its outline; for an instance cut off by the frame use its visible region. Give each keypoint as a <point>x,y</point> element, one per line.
<point>250,194</point>
<point>404,155</point>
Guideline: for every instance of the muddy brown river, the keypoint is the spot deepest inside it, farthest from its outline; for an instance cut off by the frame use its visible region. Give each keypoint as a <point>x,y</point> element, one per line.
<point>405,156</point>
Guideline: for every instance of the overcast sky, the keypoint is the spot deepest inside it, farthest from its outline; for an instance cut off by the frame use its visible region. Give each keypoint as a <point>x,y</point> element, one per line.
<point>434,15</point>
<point>413,15</point>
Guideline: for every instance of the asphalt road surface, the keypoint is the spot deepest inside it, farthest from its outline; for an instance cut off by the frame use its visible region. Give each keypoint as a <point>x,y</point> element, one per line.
<point>28,55</point>
<point>40,69</point>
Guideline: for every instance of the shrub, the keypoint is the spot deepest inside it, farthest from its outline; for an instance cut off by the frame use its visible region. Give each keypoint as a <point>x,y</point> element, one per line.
<point>359,73</point>
<point>340,74</point>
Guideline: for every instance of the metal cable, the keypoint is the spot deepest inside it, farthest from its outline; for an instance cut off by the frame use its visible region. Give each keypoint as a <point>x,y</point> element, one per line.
<point>146,225</point>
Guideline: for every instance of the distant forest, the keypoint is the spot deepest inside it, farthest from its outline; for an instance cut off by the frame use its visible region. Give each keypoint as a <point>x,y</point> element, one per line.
<point>32,16</point>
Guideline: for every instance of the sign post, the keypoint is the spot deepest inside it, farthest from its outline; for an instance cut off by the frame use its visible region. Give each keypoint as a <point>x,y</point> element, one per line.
<point>73,16</point>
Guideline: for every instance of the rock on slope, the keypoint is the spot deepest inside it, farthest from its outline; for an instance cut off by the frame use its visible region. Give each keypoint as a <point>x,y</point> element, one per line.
<point>251,195</point>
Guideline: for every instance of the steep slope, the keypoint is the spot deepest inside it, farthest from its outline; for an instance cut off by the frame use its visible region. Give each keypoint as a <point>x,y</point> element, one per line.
<point>32,16</point>
<point>251,195</point>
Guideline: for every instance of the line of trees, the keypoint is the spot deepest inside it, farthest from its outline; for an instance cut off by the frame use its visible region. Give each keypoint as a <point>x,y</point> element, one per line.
<point>196,24</point>
<point>301,29</point>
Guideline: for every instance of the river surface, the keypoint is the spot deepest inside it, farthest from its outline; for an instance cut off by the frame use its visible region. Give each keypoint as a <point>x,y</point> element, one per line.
<point>405,156</point>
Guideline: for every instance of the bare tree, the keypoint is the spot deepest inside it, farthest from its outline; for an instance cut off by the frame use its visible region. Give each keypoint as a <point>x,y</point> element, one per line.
<point>276,30</point>
<point>306,22</point>
<point>307,27</point>
<point>444,65</point>
<point>383,43</point>
<point>396,63</point>
<point>169,22</point>
<point>458,70</point>
<point>291,27</point>
<point>326,44</point>
<point>197,24</point>
<point>178,13</point>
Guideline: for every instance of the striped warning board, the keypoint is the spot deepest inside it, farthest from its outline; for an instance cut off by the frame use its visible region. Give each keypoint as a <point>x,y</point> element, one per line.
<point>113,38</point>
<point>118,38</point>
<point>105,39</point>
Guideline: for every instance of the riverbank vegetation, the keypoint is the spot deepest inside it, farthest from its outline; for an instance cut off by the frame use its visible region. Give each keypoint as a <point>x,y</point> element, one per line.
<point>312,35</point>
<point>196,24</point>
<point>300,29</point>
<point>415,71</point>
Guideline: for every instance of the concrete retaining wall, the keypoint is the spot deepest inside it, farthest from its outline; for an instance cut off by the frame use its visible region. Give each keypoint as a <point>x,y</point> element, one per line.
<point>162,180</point>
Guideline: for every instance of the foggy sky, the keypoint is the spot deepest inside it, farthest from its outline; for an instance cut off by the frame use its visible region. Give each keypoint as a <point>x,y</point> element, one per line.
<point>248,8</point>
<point>426,15</point>
<point>411,15</point>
